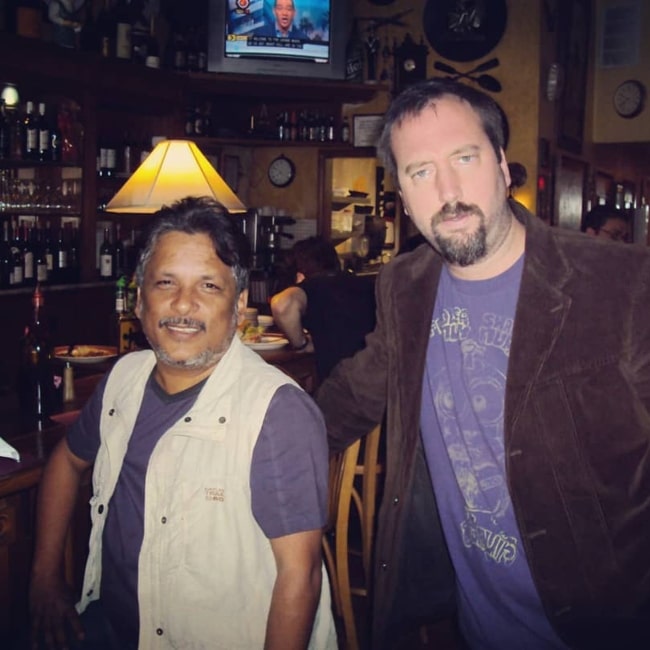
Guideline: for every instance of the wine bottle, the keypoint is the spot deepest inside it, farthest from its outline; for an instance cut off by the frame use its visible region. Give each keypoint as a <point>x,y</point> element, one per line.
<point>6,258</point>
<point>106,257</point>
<point>106,30</point>
<point>74,259</point>
<point>43,130</point>
<point>123,31</point>
<point>36,386</point>
<point>61,259</point>
<point>119,256</point>
<point>29,275</point>
<point>17,253</point>
<point>40,260</point>
<point>153,49</point>
<point>48,251</point>
<point>30,133</point>
<point>5,133</point>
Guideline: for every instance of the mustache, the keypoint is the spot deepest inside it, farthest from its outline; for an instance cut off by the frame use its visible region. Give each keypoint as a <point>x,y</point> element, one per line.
<point>454,210</point>
<point>183,322</point>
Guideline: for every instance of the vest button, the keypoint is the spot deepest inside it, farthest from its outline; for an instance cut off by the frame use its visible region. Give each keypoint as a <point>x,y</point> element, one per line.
<point>187,419</point>
<point>222,420</point>
<point>100,510</point>
<point>159,631</point>
<point>111,412</point>
<point>163,520</point>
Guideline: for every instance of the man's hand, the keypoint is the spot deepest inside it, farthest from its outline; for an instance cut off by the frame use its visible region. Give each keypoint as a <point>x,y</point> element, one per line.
<point>55,622</point>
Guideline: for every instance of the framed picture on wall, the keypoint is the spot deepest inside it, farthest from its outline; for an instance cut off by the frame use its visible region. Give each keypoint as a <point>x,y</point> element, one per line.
<point>573,53</point>
<point>570,180</point>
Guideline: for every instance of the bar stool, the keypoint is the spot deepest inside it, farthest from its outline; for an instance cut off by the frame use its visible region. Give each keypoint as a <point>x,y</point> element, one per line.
<point>353,490</point>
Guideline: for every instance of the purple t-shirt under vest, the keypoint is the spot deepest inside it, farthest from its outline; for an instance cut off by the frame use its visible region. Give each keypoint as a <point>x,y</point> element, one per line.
<point>288,479</point>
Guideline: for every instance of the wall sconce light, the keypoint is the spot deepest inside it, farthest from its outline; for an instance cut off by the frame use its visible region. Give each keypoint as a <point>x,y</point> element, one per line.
<point>10,96</point>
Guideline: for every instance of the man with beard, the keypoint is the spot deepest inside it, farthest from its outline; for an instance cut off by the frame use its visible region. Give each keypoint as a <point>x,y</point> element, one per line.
<point>517,404</point>
<point>209,479</point>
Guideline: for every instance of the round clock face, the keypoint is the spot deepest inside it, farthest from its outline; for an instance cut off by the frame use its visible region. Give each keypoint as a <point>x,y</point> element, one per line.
<point>281,171</point>
<point>629,98</point>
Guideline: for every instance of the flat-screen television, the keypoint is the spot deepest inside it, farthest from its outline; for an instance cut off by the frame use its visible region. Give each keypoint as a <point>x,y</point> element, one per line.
<point>243,38</point>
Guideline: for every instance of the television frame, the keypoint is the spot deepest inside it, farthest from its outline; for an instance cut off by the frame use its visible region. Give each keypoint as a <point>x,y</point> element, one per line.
<point>285,67</point>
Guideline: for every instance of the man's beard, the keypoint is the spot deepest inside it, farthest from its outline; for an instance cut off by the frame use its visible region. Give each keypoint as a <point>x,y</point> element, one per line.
<point>461,249</point>
<point>203,360</point>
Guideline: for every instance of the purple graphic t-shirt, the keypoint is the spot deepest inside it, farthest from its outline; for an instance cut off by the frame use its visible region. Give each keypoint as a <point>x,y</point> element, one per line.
<point>462,427</point>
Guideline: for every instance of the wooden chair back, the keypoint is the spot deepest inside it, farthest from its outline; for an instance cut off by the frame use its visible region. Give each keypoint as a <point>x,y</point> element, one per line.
<point>353,491</point>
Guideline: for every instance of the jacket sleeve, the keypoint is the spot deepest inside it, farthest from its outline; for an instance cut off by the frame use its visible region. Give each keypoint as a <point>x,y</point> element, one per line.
<point>353,397</point>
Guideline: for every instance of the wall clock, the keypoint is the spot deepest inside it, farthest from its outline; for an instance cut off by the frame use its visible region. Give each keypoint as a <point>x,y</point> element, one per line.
<point>281,171</point>
<point>464,30</point>
<point>410,63</point>
<point>629,98</point>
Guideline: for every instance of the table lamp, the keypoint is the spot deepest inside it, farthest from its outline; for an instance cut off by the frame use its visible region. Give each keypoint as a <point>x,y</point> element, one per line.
<point>174,170</point>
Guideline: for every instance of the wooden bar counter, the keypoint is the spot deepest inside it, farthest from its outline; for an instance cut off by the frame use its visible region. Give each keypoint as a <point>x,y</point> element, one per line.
<point>19,483</point>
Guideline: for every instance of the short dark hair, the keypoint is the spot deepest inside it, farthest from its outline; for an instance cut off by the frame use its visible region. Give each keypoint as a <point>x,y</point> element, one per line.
<point>599,214</point>
<point>314,256</point>
<point>412,101</point>
<point>195,216</point>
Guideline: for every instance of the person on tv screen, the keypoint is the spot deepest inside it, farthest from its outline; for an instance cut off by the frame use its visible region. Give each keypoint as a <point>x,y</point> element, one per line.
<point>283,26</point>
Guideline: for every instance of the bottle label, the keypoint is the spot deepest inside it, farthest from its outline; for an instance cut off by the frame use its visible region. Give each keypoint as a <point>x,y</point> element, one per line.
<point>41,273</point>
<point>32,140</point>
<point>106,266</point>
<point>62,259</point>
<point>49,261</point>
<point>123,41</point>
<point>17,275</point>
<point>29,265</point>
<point>44,140</point>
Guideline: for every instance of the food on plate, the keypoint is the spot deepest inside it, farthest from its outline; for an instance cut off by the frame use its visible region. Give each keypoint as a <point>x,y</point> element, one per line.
<point>250,333</point>
<point>83,351</point>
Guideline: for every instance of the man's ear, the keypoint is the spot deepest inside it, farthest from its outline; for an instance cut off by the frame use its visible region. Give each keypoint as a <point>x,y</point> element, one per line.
<point>299,277</point>
<point>242,301</point>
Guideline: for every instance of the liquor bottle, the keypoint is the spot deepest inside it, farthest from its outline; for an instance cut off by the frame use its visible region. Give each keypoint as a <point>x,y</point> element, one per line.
<point>5,133</point>
<point>43,130</point>
<point>106,257</point>
<point>30,133</point>
<point>123,31</point>
<point>36,381</point>
<point>120,312</point>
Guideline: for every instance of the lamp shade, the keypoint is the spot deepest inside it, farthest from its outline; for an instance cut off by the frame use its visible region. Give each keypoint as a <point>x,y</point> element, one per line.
<point>174,170</point>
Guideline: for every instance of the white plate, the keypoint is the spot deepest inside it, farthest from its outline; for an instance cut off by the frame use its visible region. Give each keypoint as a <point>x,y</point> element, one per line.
<point>96,353</point>
<point>268,343</point>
